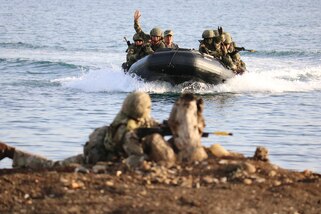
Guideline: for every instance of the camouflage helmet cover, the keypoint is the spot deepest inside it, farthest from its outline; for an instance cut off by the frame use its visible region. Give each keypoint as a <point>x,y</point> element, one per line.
<point>228,38</point>
<point>156,32</point>
<point>137,37</point>
<point>168,33</point>
<point>236,57</point>
<point>218,39</point>
<point>216,33</point>
<point>208,34</point>
<point>222,37</point>
<point>137,105</point>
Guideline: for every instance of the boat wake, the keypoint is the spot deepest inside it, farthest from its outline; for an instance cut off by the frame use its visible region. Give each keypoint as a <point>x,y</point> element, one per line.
<point>277,79</point>
<point>100,72</point>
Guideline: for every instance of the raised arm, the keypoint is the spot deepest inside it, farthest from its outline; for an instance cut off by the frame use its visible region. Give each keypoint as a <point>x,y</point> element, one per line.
<point>137,27</point>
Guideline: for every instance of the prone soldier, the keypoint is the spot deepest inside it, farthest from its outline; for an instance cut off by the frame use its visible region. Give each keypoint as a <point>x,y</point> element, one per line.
<point>117,141</point>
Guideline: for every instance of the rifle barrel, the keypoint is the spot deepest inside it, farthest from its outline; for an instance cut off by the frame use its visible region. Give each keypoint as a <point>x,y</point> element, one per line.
<point>165,131</point>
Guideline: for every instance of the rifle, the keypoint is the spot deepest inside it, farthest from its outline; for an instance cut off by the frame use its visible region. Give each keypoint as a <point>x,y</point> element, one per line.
<point>165,131</point>
<point>237,49</point>
<point>243,49</point>
<point>128,42</point>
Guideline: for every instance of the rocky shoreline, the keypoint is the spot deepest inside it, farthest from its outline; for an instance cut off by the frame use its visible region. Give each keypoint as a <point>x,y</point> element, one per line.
<point>230,184</point>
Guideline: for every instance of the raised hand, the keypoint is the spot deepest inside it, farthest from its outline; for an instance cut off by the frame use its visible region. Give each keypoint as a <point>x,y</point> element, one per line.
<point>137,15</point>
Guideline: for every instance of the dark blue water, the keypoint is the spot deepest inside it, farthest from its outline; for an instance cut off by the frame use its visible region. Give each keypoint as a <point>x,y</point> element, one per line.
<point>61,76</point>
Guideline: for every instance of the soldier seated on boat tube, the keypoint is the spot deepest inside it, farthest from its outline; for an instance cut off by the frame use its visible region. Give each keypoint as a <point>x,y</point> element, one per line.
<point>137,51</point>
<point>109,143</point>
<point>168,39</point>
<point>227,50</point>
<point>240,65</point>
<point>231,58</point>
<point>219,44</point>
<point>208,44</point>
<point>155,37</point>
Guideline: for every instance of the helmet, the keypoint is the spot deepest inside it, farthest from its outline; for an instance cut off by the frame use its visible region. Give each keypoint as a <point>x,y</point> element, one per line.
<point>236,57</point>
<point>216,33</point>
<point>156,32</point>
<point>228,38</point>
<point>207,34</point>
<point>137,37</point>
<point>137,105</point>
<point>222,37</point>
<point>218,39</point>
<point>168,33</point>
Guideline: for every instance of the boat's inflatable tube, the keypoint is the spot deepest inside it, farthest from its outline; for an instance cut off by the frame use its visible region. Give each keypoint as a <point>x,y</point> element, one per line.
<point>181,65</point>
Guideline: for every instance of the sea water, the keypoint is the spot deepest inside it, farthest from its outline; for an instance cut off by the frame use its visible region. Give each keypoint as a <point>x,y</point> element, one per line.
<point>61,76</point>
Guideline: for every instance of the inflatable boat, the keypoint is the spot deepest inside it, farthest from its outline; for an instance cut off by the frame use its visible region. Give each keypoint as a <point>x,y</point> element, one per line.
<point>181,65</point>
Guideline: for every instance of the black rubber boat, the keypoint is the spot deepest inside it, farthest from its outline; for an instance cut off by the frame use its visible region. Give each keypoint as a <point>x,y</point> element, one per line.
<point>181,65</point>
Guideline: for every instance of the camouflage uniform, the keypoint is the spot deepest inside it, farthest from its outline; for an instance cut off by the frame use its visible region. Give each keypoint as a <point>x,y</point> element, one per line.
<point>211,49</point>
<point>208,45</point>
<point>157,46</point>
<point>93,152</point>
<point>135,53</point>
<point>110,142</point>
<point>122,139</point>
<point>23,159</point>
<point>172,45</point>
<point>240,65</point>
<point>147,37</point>
<point>217,41</point>
<point>228,51</point>
<point>236,57</point>
<point>138,29</point>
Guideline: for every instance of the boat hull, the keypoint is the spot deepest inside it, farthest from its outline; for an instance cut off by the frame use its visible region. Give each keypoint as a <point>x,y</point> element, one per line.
<point>181,65</point>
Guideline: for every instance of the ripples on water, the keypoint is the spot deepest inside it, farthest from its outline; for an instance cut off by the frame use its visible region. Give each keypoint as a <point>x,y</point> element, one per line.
<point>61,77</point>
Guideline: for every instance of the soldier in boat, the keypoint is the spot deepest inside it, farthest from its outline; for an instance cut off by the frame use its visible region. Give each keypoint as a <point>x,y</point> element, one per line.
<point>136,51</point>
<point>168,39</point>
<point>155,37</point>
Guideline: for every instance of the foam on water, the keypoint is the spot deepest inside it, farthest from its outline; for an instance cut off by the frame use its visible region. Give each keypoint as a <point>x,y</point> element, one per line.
<point>275,81</point>
<point>111,80</point>
<point>263,78</point>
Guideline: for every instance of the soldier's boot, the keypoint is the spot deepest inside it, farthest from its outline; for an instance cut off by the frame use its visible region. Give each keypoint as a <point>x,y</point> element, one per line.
<point>6,151</point>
